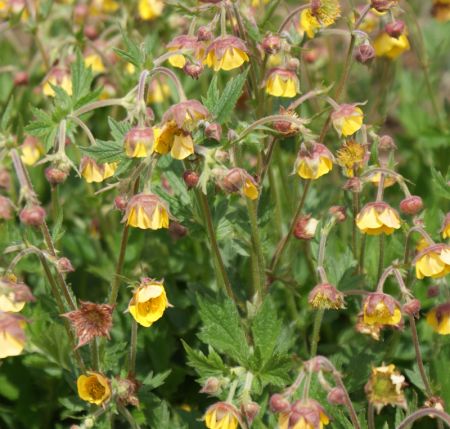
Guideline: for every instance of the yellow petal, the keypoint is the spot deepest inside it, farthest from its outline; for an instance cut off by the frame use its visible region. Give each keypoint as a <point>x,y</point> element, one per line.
<point>182,147</point>
<point>9,345</point>
<point>177,60</point>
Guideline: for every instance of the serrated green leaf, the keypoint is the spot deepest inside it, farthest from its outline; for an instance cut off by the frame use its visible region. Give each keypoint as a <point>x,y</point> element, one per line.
<point>118,129</point>
<point>442,186</point>
<point>105,151</point>
<point>6,117</point>
<point>212,95</point>
<point>206,366</point>
<point>81,80</point>
<point>153,381</point>
<point>132,53</point>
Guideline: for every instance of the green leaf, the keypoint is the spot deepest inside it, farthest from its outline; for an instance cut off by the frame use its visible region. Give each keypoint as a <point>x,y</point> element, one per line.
<point>44,127</point>
<point>206,366</point>
<point>132,53</point>
<point>6,117</point>
<point>118,129</point>
<point>105,151</point>
<point>81,79</point>
<point>212,95</point>
<point>154,381</point>
<point>222,329</point>
<point>442,185</point>
<point>224,106</point>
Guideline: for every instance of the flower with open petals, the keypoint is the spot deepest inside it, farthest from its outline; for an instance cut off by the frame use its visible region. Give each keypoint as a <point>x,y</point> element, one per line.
<point>12,335</point>
<point>385,387</point>
<point>90,320</point>
<point>57,77</point>
<point>94,172</point>
<point>282,83</point>
<point>94,388</point>
<point>175,140</point>
<point>226,53</point>
<point>238,180</point>
<point>146,211</point>
<point>30,150</point>
<point>187,43</point>
<point>326,296</point>
<point>313,161</point>
<point>390,47</point>
<point>150,9</point>
<point>13,294</point>
<point>439,319</point>
<point>139,142</point>
<point>378,218</point>
<point>149,302</point>
<point>347,119</point>
<point>352,156</point>
<point>222,415</point>
<point>381,309</point>
<point>321,14</point>
<point>433,261</point>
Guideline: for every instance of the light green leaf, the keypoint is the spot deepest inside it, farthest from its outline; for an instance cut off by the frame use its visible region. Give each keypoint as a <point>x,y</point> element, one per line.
<point>442,185</point>
<point>206,366</point>
<point>153,381</point>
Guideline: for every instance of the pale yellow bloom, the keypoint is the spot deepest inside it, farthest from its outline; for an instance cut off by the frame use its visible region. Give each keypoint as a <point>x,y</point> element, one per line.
<point>93,388</point>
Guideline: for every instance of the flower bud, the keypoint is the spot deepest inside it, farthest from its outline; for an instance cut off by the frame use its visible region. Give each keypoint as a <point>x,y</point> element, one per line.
<point>386,147</point>
<point>305,227</point>
<point>5,178</point>
<point>353,184</point>
<point>250,410</point>
<point>395,29</point>
<point>211,386</point>
<point>412,307</point>
<point>21,78</point>
<point>293,64</point>
<point>383,5</point>
<point>138,142</point>
<point>194,70</point>
<point>336,396</point>
<point>177,231</point>
<point>365,53</point>
<point>271,44</point>
<point>214,131</point>
<point>278,403</point>
<point>64,265</point>
<point>90,32</point>
<point>411,205</point>
<point>32,215</point>
<point>5,208</point>
<point>204,34</point>
<point>190,178</point>
<point>120,202</point>
<point>55,175</point>
<point>338,212</point>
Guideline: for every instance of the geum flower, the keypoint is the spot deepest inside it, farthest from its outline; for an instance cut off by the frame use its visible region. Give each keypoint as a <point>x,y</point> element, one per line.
<point>139,142</point>
<point>150,9</point>
<point>313,161</point>
<point>146,211</point>
<point>238,180</point>
<point>149,302</point>
<point>30,150</point>
<point>378,218</point>
<point>226,53</point>
<point>322,13</point>
<point>352,157</point>
<point>93,172</point>
<point>433,261</point>
<point>381,309</point>
<point>304,414</point>
<point>93,388</point>
<point>390,47</point>
<point>12,335</point>
<point>222,415</point>
<point>13,295</point>
<point>187,43</point>
<point>439,319</point>
<point>347,119</point>
<point>282,83</point>
<point>326,296</point>
<point>90,320</point>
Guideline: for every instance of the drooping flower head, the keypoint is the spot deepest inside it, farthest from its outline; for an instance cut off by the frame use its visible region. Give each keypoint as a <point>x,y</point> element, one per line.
<point>433,261</point>
<point>90,320</point>
<point>326,296</point>
<point>352,157</point>
<point>321,13</point>
<point>439,319</point>
<point>12,335</point>
<point>238,180</point>
<point>313,161</point>
<point>146,211</point>
<point>347,119</point>
<point>149,302</point>
<point>282,82</point>
<point>150,9</point>
<point>94,388</point>
<point>13,294</point>
<point>187,43</point>
<point>304,414</point>
<point>385,387</point>
<point>222,415</point>
<point>305,227</point>
<point>94,172</point>
<point>30,150</point>
<point>186,114</point>
<point>390,47</point>
<point>139,142</point>
<point>382,310</point>
<point>57,77</point>
<point>378,218</point>
<point>226,53</point>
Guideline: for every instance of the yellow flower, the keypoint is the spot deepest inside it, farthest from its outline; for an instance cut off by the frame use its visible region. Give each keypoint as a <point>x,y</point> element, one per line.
<point>434,261</point>
<point>221,415</point>
<point>30,150</point>
<point>445,230</point>
<point>57,77</point>
<point>314,162</point>
<point>238,180</point>
<point>439,319</point>
<point>378,218</point>
<point>309,23</point>
<point>94,172</point>
<point>282,83</point>
<point>381,309</point>
<point>347,119</point>
<point>441,10</point>
<point>13,295</point>
<point>95,62</point>
<point>390,47</point>
<point>146,211</point>
<point>158,91</point>
<point>351,157</point>
<point>12,335</point>
<point>97,7</point>
<point>305,414</point>
<point>316,17</point>
<point>388,180</point>
<point>184,43</point>
<point>226,53</point>
<point>175,140</point>
<point>150,9</point>
<point>139,142</point>
<point>94,388</point>
<point>149,302</point>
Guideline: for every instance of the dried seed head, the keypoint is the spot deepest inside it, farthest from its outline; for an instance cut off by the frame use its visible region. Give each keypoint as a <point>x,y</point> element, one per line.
<point>411,205</point>
<point>365,53</point>
<point>32,216</point>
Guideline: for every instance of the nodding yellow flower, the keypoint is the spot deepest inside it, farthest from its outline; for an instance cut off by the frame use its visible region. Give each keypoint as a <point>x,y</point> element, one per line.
<point>158,91</point>
<point>347,119</point>
<point>308,23</point>
<point>282,83</point>
<point>323,14</point>
<point>381,309</point>
<point>13,295</point>
<point>326,296</point>
<point>238,180</point>
<point>390,47</point>
<point>433,261</point>
<point>150,9</point>
<point>95,62</point>
<point>12,335</point>
<point>313,162</point>
<point>445,230</point>
<point>388,180</point>
<point>139,142</point>
<point>385,387</point>
<point>30,150</point>
<point>146,211</point>
<point>439,319</point>
<point>57,77</point>
<point>94,172</point>
<point>304,414</point>
<point>149,302</point>
<point>98,7</point>
<point>93,388</point>
<point>185,43</point>
<point>351,157</point>
<point>174,139</point>
<point>221,415</point>
<point>441,10</point>
<point>378,218</point>
<point>226,53</point>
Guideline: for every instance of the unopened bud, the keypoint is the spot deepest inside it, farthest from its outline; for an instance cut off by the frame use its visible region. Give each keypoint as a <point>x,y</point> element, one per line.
<point>383,5</point>
<point>412,307</point>
<point>278,403</point>
<point>90,32</point>
<point>353,184</point>
<point>177,231</point>
<point>250,410</point>
<point>211,386</point>
<point>338,212</point>
<point>204,34</point>
<point>395,29</point>
<point>271,44</point>
<point>55,176</point>
<point>365,53</point>
<point>21,78</point>
<point>435,402</point>
<point>32,216</point>
<point>64,265</point>
<point>386,146</point>
<point>336,396</point>
<point>190,178</point>
<point>214,131</point>
<point>194,70</point>
<point>411,205</point>
<point>120,202</point>
<point>305,227</point>
<point>293,64</point>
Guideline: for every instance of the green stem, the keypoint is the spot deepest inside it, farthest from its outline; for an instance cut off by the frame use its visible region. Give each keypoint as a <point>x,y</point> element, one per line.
<point>316,332</point>
<point>119,265</point>
<point>381,257</point>
<point>370,416</point>
<point>424,412</point>
<point>133,348</point>
<point>95,362</point>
